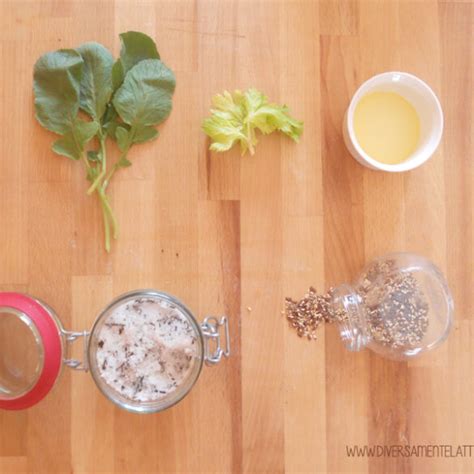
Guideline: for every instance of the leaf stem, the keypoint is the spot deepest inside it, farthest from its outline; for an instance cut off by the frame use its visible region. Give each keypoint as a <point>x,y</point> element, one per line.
<point>115,168</point>
<point>101,175</point>
<point>110,212</point>
<point>109,176</point>
<point>100,183</point>
<point>123,156</point>
<point>110,221</point>
<point>250,138</point>
<point>86,162</point>
<point>106,226</point>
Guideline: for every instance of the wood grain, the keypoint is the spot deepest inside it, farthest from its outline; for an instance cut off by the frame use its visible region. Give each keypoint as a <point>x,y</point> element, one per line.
<point>235,235</point>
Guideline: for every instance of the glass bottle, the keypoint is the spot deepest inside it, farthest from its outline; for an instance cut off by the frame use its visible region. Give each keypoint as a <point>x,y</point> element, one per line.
<point>400,306</point>
<point>34,348</point>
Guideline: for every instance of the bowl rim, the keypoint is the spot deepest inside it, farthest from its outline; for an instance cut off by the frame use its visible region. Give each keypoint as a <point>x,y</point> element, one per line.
<point>408,164</point>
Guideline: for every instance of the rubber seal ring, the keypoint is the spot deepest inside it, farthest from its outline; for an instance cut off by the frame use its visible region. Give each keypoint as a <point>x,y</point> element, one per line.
<point>51,339</point>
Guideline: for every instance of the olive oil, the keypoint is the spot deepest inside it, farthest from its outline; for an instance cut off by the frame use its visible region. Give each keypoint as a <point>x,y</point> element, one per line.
<point>387,126</point>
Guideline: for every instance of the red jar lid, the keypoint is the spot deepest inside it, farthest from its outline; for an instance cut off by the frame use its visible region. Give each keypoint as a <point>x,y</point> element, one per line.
<point>37,326</point>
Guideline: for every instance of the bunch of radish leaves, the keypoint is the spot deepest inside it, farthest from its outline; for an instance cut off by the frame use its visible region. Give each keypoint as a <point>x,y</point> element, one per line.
<point>86,98</point>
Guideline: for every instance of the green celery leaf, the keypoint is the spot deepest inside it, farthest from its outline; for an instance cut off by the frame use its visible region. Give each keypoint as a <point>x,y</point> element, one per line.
<point>229,106</point>
<point>268,117</point>
<point>121,134</point>
<point>235,118</point>
<point>72,143</point>
<point>145,134</point>
<point>57,77</point>
<point>144,98</point>
<point>96,83</point>
<point>223,132</point>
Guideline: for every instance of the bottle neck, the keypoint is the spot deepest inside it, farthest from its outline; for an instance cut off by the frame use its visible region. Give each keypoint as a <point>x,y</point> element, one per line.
<point>347,305</point>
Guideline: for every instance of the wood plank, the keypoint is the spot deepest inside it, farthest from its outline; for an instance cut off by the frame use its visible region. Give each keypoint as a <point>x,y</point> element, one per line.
<point>92,417</point>
<point>261,245</point>
<point>234,235</point>
<point>347,394</point>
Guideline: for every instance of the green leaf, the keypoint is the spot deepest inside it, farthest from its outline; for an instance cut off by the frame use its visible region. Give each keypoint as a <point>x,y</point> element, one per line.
<point>118,74</point>
<point>223,132</point>
<point>96,82</point>
<point>71,144</point>
<point>145,134</point>
<point>94,156</point>
<point>144,98</point>
<point>136,47</point>
<point>236,117</point>
<point>109,115</point>
<point>92,173</point>
<point>85,131</point>
<point>110,120</point>
<point>121,134</point>
<point>111,128</point>
<point>269,117</point>
<point>66,146</point>
<point>57,78</point>
<point>124,162</point>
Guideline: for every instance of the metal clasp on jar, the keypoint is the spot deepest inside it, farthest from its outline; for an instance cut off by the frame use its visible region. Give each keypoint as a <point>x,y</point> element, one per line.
<point>71,337</point>
<point>211,330</point>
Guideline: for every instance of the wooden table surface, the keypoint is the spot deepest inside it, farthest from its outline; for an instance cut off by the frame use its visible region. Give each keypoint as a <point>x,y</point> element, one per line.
<point>236,235</point>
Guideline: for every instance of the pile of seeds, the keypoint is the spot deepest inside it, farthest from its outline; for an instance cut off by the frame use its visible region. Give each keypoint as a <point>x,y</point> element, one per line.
<point>306,315</point>
<point>395,308</point>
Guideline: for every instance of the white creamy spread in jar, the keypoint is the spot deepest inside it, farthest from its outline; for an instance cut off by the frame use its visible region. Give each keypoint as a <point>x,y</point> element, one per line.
<point>146,349</point>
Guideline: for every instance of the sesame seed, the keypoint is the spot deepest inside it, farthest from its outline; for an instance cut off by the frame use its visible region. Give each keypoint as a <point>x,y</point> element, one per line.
<point>395,307</point>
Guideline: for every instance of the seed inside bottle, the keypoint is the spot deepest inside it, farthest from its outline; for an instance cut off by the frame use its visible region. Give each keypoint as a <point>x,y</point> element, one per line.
<point>395,309</point>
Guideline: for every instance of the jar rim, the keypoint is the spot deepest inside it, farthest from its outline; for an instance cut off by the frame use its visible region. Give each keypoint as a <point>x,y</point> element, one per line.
<point>351,327</point>
<point>47,331</point>
<point>29,324</point>
<point>153,406</point>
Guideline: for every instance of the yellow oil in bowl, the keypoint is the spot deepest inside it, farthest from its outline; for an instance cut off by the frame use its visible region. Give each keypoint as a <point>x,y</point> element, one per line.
<point>387,127</point>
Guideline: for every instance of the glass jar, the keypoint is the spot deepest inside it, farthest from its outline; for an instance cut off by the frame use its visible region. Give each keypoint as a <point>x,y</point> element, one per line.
<point>145,350</point>
<point>400,307</point>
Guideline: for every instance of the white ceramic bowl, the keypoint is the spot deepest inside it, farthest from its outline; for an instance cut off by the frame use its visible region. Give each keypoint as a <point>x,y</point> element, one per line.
<point>421,96</point>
